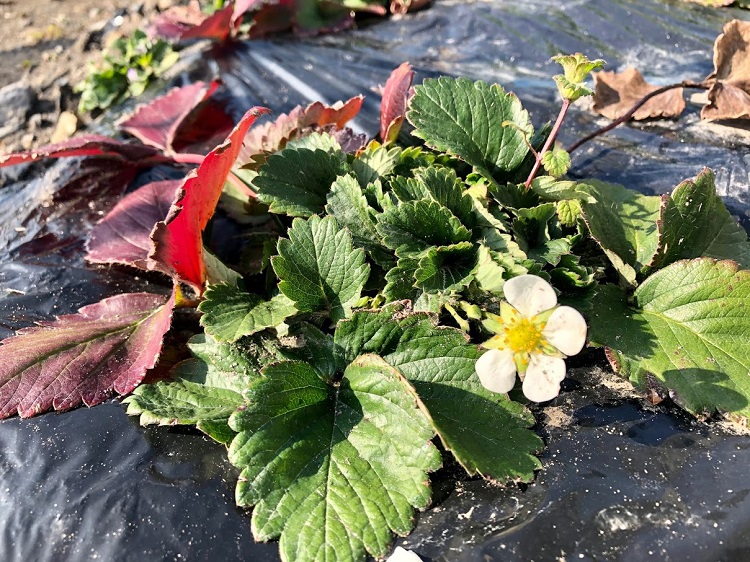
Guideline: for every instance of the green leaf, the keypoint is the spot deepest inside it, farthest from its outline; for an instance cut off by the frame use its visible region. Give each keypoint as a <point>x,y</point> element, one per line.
<point>552,189</point>
<point>296,182</point>
<point>465,118</point>
<point>533,228</point>
<point>489,273</point>
<point>571,90</point>
<point>485,431</point>
<point>319,269</point>
<point>204,391</point>
<point>348,205</point>
<point>375,163</point>
<point>400,281</point>
<point>317,141</point>
<point>695,222</point>
<point>413,227</point>
<point>556,161</point>
<point>624,224</point>
<point>688,329</point>
<point>333,470</point>
<point>447,268</point>
<point>230,312</point>
<point>568,212</point>
<point>577,67</point>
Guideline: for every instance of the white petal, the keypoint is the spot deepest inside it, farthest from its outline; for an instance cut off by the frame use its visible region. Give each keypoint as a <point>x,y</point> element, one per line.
<point>543,377</point>
<point>566,330</point>
<point>529,294</point>
<point>497,370</point>
<point>403,555</point>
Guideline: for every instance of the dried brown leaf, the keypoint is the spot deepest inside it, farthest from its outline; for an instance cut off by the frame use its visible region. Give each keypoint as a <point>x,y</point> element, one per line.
<point>616,93</point>
<point>729,96</point>
<point>727,101</point>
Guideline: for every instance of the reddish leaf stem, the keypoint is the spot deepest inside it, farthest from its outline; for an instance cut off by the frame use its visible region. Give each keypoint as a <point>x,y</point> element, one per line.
<point>548,144</point>
<point>626,117</point>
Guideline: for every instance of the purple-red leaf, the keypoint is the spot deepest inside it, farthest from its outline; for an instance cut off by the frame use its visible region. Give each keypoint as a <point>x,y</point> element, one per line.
<point>83,358</point>
<point>124,235</point>
<point>178,244</point>
<point>88,145</point>
<point>396,95</point>
<point>189,22</point>
<point>301,121</point>
<point>217,26</point>
<point>156,123</point>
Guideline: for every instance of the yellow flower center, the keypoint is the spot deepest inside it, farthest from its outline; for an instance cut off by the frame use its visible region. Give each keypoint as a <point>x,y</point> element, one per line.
<point>523,336</point>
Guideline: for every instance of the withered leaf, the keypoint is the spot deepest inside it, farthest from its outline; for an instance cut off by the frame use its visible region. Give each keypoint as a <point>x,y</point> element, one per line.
<point>615,93</point>
<point>729,96</point>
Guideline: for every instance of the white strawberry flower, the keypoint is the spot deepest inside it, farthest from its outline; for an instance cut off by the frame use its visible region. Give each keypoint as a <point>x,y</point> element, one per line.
<point>533,336</point>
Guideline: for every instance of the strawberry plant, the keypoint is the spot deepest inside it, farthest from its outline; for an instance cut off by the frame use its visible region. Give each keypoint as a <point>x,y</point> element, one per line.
<point>385,306</point>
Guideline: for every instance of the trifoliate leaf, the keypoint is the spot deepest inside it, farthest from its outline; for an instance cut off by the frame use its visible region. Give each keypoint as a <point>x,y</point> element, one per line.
<point>571,276</point>
<point>485,431</point>
<point>319,269</point>
<point>556,161</point>
<point>443,186</point>
<point>296,182</point>
<point>694,222</point>
<point>348,205</point>
<point>465,118</point>
<point>400,281</point>
<point>415,226</point>
<point>230,312</point>
<point>624,224</point>
<point>333,470</point>
<point>447,268</point>
<point>688,328</point>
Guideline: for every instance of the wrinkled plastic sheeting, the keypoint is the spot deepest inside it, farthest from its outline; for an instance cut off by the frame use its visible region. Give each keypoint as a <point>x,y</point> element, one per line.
<point>621,481</point>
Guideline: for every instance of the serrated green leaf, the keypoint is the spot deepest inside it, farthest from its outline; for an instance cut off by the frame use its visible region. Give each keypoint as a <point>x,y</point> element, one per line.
<point>415,226</point>
<point>296,182</point>
<point>441,185</point>
<point>571,90</point>
<point>556,161</point>
<point>316,348</point>
<point>375,163</point>
<point>205,390</point>
<point>230,313</point>
<point>551,189</point>
<point>568,212</point>
<point>688,328</point>
<point>333,470</point>
<point>348,205</point>
<point>319,268</point>
<point>694,222</point>
<point>489,273</point>
<point>317,141</point>
<point>533,232</point>
<point>485,431</point>
<point>447,268</point>
<point>624,224</point>
<point>465,118</point>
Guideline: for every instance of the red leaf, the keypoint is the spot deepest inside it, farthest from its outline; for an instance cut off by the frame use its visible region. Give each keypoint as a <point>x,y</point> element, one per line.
<point>175,21</point>
<point>273,136</point>
<point>395,98</point>
<point>124,235</point>
<point>88,145</point>
<point>203,128</point>
<point>83,358</point>
<point>217,26</point>
<point>273,17</point>
<point>156,123</point>
<point>177,240</point>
